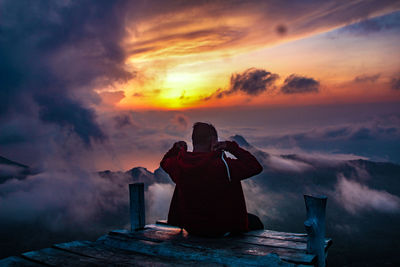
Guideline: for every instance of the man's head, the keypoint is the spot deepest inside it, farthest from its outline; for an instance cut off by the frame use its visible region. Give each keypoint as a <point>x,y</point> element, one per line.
<point>204,136</point>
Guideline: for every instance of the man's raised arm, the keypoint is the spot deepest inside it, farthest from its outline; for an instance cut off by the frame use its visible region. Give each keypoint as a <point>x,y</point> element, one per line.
<point>169,163</point>
<point>245,166</point>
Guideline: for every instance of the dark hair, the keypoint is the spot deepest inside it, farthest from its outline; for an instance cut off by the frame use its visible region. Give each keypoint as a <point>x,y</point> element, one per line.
<point>202,133</point>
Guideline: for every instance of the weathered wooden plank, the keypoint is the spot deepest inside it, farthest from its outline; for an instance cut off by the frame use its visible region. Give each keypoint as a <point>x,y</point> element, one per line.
<point>284,236</point>
<point>297,245</point>
<point>164,227</point>
<point>300,237</point>
<point>159,232</point>
<point>18,261</point>
<point>114,256</point>
<point>297,237</point>
<point>228,245</point>
<point>156,234</point>
<point>56,257</point>
<point>278,235</point>
<point>288,255</point>
<point>191,253</point>
<point>272,242</point>
<point>259,232</point>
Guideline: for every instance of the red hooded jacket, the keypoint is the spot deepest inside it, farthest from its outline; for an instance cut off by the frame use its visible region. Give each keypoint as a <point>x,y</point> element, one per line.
<point>205,200</point>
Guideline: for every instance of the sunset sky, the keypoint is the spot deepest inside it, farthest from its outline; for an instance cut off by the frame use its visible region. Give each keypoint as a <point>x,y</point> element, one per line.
<point>123,80</point>
<point>310,87</point>
<point>183,56</point>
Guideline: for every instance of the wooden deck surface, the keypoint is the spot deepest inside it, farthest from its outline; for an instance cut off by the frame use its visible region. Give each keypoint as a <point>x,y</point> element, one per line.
<point>163,245</point>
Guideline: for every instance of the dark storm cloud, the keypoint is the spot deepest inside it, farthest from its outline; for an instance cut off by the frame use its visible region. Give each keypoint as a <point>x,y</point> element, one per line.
<point>367,78</point>
<point>52,52</point>
<point>295,84</point>
<point>69,113</point>
<point>252,82</point>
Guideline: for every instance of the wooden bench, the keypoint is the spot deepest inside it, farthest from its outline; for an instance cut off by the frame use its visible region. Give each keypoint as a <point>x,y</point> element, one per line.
<point>163,245</point>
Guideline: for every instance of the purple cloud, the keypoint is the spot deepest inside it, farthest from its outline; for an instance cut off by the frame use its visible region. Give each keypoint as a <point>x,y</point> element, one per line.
<point>295,84</point>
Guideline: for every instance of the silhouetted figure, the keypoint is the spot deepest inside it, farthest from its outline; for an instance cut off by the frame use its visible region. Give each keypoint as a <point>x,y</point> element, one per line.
<point>208,199</point>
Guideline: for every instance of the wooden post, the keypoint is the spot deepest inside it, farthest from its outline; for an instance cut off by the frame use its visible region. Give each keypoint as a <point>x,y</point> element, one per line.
<point>315,226</point>
<point>137,212</point>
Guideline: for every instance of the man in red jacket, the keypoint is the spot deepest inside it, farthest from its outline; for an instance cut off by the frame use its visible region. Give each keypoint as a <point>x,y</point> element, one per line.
<point>208,199</point>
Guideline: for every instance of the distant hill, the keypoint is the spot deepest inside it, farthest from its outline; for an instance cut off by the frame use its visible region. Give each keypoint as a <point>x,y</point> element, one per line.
<point>138,175</point>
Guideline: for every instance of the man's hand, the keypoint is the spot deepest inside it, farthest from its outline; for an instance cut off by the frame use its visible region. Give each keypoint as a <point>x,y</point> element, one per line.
<point>180,145</point>
<point>220,146</point>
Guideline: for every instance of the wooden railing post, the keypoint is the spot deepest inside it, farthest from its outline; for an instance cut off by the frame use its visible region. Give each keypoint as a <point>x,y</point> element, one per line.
<point>137,211</point>
<point>315,226</point>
